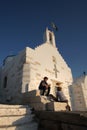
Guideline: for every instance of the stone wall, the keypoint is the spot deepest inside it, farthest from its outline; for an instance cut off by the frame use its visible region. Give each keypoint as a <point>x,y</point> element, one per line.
<point>62,120</point>
<point>78,91</point>
<point>11,79</point>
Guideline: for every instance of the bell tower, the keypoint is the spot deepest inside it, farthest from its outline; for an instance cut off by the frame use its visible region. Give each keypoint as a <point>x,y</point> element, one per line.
<point>49,37</point>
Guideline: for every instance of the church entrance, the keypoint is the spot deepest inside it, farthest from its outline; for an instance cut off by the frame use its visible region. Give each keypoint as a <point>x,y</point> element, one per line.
<point>53,87</point>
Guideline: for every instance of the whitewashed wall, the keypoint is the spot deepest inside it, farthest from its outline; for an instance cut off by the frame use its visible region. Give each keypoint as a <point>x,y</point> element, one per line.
<point>79,94</point>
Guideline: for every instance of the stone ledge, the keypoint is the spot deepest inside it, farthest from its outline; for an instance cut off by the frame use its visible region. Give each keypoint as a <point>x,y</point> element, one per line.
<point>38,106</point>
<point>12,106</point>
<point>36,99</point>
<point>56,106</point>
<point>32,93</point>
<point>69,118</point>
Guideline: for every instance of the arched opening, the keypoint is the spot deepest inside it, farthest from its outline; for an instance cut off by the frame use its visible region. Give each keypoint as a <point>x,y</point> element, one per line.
<point>50,38</point>
<point>5,82</point>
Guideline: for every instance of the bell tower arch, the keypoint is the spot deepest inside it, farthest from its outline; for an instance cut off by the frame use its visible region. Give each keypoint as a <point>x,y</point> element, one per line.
<point>49,37</point>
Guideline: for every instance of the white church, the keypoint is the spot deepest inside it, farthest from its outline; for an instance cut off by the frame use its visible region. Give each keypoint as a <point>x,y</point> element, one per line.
<point>23,72</point>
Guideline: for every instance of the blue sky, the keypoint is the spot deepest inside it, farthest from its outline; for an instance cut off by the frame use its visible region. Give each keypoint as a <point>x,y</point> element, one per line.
<point>23,22</point>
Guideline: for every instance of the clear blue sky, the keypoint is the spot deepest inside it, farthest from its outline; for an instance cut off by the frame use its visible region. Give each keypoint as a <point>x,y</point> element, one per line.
<point>23,22</point>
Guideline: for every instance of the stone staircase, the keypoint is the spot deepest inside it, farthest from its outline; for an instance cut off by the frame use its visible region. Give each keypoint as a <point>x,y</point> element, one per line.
<point>38,102</point>
<point>17,117</point>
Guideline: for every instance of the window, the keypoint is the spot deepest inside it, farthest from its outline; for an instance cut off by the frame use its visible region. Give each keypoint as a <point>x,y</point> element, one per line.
<point>50,38</point>
<point>5,82</point>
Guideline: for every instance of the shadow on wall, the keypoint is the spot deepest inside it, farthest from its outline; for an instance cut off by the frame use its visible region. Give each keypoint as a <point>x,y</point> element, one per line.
<point>18,97</point>
<point>13,79</point>
<point>26,87</point>
<point>14,97</point>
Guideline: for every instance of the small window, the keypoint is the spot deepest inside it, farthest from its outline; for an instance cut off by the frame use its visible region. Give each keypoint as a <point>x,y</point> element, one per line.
<point>50,38</point>
<point>5,82</point>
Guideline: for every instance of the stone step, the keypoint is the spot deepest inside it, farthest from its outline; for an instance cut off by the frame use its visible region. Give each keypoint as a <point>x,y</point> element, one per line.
<point>36,99</point>
<point>14,111</point>
<point>38,102</point>
<point>38,106</point>
<point>56,106</point>
<point>32,126</point>
<point>15,120</point>
<point>16,117</point>
<point>32,93</point>
<point>12,106</point>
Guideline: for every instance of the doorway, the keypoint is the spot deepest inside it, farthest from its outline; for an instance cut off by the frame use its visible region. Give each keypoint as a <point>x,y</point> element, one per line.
<point>53,87</point>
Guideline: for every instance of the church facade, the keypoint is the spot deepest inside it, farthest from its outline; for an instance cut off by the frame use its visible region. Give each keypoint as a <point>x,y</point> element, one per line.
<point>23,72</point>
